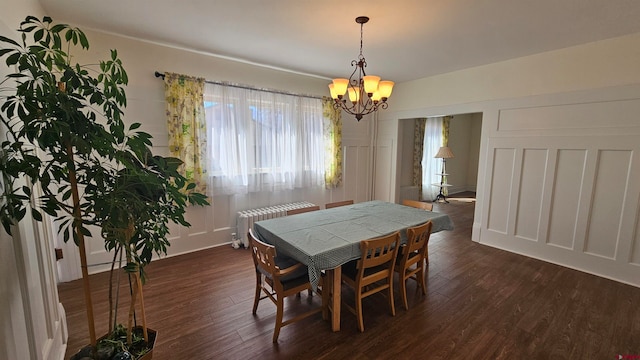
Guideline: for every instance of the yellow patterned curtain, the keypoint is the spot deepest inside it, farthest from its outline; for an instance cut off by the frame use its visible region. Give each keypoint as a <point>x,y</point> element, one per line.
<point>187,126</point>
<point>418,149</point>
<point>445,142</point>
<point>332,144</point>
<point>445,130</point>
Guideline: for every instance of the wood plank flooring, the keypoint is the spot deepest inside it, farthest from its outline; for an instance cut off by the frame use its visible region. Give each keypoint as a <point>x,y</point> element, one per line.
<point>482,303</point>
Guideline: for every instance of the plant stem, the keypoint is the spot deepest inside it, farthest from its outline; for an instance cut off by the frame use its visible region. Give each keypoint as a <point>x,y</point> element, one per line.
<point>112,325</point>
<point>73,182</point>
<point>134,291</point>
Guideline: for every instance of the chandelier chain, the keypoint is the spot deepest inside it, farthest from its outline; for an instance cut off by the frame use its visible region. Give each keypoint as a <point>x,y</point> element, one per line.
<point>361,32</point>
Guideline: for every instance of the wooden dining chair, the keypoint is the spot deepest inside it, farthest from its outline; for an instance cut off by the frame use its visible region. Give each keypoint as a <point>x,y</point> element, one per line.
<point>278,278</point>
<point>303,210</point>
<point>418,204</point>
<point>338,203</point>
<point>411,259</point>
<point>373,272</point>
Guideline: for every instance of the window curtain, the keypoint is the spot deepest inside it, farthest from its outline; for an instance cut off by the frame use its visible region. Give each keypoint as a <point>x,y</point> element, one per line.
<point>186,126</point>
<point>333,143</point>
<point>418,150</point>
<point>430,165</point>
<point>262,141</point>
<point>445,142</point>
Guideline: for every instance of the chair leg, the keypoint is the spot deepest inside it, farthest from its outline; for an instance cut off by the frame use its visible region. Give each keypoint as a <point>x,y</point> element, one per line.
<point>256,300</point>
<point>421,281</point>
<point>403,291</point>
<point>359,310</point>
<point>391,303</point>
<point>279,315</point>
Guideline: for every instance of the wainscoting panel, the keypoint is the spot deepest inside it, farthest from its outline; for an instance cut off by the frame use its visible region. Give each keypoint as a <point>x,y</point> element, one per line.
<point>356,166</point>
<point>565,198</point>
<point>568,196</point>
<point>384,165</point>
<point>534,167</point>
<point>501,183</point>
<point>607,204</point>
<point>572,116</point>
<point>635,251</point>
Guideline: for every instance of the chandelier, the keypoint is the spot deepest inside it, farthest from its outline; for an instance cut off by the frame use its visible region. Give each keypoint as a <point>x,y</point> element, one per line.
<point>366,92</point>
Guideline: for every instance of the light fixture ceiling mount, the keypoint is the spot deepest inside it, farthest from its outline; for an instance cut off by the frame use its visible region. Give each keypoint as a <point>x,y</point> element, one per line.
<point>366,92</point>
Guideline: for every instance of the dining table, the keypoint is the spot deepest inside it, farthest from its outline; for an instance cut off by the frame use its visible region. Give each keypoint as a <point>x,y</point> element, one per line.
<point>324,240</point>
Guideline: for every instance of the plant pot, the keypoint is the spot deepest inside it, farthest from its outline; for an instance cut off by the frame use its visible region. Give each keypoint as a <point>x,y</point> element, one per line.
<point>153,335</point>
<point>86,352</point>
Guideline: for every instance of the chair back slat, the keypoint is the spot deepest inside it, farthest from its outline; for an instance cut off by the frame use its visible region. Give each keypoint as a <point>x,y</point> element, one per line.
<point>377,252</point>
<point>264,255</point>
<point>303,210</point>
<point>418,236</point>
<point>418,204</point>
<point>338,203</point>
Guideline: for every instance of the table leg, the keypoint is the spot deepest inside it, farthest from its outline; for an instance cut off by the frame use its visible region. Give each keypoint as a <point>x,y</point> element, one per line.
<point>336,288</point>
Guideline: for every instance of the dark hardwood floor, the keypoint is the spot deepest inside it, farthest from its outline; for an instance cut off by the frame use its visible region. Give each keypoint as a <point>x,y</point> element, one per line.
<point>482,303</point>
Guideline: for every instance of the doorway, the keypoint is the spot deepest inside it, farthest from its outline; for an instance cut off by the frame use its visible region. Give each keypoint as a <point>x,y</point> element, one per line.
<point>464,142</point>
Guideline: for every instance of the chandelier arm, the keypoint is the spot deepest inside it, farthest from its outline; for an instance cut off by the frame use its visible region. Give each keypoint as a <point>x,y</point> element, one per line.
<point>354,81</point>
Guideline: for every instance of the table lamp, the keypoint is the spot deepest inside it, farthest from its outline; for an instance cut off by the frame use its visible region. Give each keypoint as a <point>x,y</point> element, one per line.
<point>444,153</point>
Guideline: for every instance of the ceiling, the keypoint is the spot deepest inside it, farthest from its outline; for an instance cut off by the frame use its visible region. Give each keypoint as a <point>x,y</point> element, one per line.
<point>404,40</point>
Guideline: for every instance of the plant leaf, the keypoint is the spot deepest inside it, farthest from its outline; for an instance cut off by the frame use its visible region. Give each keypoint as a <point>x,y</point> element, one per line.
<point>7,40</point>
<point>36,214</point>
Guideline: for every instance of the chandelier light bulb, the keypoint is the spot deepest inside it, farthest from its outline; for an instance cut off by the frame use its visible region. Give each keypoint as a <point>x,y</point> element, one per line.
<point>332,91</point>
<point>354,94</point>
<point>385,87</point>
<point>340,87</point>
<point>370,83</point>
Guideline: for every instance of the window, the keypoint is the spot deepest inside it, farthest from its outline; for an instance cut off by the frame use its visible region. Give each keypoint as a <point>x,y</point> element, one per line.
<point>262,141</point>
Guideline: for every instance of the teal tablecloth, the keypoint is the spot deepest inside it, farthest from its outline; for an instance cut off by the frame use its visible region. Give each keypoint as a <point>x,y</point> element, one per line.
<point>326,239</point>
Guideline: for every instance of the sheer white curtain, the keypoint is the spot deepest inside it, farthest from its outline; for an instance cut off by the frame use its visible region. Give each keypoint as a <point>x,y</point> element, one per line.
<point>430,165</point>
<point>262,141</point>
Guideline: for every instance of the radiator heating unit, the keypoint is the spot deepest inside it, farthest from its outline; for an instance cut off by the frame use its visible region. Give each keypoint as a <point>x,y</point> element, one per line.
<point>246,218</point>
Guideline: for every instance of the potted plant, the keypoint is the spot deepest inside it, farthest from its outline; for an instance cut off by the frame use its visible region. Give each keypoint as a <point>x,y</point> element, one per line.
<point>67,153</point>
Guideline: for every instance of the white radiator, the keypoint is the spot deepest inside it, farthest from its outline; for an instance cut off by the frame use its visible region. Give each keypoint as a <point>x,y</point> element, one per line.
<point>246,218</point>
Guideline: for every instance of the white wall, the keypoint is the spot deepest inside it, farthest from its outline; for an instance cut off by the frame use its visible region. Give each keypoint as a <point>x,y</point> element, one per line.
<point>213,225</point>
<point>601,64</point>
<point>474,151</point>
<point>557,178</point>
<point>32,320</point>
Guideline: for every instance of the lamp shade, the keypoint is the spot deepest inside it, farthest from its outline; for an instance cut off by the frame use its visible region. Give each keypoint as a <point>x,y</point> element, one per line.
<point>370,83</point>
<point>354,93</point>
<point>340,86</point>
<point>385,87</point>
<point>444,153</point>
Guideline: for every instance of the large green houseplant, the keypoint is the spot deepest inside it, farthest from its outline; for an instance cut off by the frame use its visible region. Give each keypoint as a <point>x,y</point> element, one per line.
<point>66,152</point>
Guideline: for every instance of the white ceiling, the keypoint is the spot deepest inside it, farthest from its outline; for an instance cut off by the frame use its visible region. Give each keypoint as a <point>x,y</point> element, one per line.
<point>404,40</point>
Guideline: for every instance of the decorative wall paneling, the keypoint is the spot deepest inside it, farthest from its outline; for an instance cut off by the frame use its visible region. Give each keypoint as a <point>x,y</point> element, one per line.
<point>563,185</point>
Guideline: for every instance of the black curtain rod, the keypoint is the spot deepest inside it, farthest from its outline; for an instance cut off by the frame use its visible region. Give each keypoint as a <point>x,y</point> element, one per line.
<point>161,75</point>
